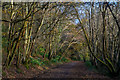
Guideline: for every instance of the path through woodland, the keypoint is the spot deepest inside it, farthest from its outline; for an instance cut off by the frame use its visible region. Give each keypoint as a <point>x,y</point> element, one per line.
<point>76,69</point>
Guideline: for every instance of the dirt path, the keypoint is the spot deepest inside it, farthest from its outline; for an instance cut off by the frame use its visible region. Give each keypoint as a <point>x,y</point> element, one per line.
<point>75,69</point>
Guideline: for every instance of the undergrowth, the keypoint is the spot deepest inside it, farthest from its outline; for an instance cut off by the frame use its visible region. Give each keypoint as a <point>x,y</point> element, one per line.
<point>90,66</point>
<point>45,62</point>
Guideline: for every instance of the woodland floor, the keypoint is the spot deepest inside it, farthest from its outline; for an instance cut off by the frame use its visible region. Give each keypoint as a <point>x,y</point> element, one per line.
<point>75,69</point>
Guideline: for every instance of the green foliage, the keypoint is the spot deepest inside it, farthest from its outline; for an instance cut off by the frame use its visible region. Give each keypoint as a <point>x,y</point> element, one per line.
<point>27,66</point>
<point>39,62</point>
<point>21,49</point>
<point>89,65</point>
<point>46,62</point>
<point>3,73</point>
<point>46,55</point>
<point>42,54</point>
<point>81,57</point>
<point>42,49</point>
<point>64,59</point>
<point>57,59</point>
<point>39,59</point>
<point>87,58</point>
<point>35,61</point>
<point>73,58</point>
<point>54,60</point>
<point>43,62</point>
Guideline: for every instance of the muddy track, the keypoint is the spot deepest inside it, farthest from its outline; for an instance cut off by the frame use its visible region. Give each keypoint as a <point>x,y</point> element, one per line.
<point>71,70</point>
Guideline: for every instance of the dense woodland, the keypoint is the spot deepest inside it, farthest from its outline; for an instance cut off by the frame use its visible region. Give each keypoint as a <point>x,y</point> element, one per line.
<point>42,33</point>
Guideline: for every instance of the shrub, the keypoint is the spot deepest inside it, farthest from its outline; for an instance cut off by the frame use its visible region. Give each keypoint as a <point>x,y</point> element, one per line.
<point>89,65</point>
<point>35,61</point>
<point>64,59</point>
